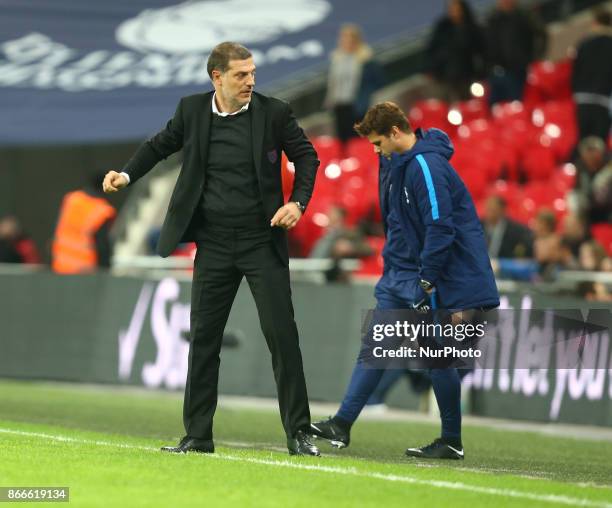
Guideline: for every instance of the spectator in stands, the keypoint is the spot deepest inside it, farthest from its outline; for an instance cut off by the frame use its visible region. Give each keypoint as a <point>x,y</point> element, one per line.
<point>15,245</point>
<point>567,259</point>
<point>592,78</point>
<point>340,242</point>
<point>455,51</point>
<point>592,194</point>
<point>547,243</point>
<point>514,38</point>
<point>81,242</point>
<point>592,256</point>
<point>575,232</point>
<point>353,77</point>
<point>505,237</point>
<point>600,209</point>
<point>594,291</point>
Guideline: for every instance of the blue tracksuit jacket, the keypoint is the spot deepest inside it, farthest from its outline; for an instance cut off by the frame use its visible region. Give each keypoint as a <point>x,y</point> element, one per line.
<point>440,224</point>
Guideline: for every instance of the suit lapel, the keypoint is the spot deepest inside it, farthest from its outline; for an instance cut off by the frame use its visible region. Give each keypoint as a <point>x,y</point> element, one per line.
<point>258,124</point>
<point>205,128</point>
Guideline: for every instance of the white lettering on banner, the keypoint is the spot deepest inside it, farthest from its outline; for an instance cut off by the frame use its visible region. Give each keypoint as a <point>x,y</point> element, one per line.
<point>128,339</point>
<point>170,367</point>
<point>534,348</point>
<point>169,46</point>
<point>169,322</point>
<point>579,382</point>
<point>37,61</point>
<point>539,353</point>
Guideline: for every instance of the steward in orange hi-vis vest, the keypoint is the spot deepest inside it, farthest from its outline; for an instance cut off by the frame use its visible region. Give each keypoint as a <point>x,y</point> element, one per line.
<point>74,245</point>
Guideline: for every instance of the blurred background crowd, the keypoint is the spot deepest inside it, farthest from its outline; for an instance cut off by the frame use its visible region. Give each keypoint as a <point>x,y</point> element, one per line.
<point>525,100</point>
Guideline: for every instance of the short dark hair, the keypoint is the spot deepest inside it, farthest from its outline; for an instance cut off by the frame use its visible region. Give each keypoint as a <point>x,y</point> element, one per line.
<point>602,16</point>
<point>381,118</point>
<point>221,55</point>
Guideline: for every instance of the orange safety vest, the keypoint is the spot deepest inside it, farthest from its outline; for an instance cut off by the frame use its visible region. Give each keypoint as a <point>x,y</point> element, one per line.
<point>74,248</point>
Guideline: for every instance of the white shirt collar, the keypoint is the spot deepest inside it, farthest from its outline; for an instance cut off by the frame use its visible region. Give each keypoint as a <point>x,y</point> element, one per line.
<point>216,111</point>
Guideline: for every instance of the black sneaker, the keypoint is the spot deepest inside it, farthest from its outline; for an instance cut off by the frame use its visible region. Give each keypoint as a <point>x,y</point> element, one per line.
<point>301,445</point>
<point>338,436</point>
<point>439,449</point>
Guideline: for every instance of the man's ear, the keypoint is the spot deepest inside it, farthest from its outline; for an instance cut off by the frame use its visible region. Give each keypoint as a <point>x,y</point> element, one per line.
<point>216,75</point>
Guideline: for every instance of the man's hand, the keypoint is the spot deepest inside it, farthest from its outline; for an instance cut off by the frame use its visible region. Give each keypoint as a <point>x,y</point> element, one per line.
<point>287,216</point>
<point>113,182</point>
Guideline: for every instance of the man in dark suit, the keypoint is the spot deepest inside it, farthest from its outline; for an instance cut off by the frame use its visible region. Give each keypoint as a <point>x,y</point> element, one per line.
<point>229,200</point>
<point>505,237</point>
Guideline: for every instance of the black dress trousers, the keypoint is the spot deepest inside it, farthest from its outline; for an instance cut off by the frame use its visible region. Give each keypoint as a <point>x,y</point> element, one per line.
<point>224,256</point>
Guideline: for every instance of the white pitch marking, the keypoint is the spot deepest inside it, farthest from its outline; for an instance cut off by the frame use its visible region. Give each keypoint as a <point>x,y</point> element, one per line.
<point>349,471</point>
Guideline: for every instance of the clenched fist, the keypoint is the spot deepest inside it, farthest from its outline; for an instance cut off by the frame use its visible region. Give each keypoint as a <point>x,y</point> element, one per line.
<point>287,216</point>
<point>114,181</point>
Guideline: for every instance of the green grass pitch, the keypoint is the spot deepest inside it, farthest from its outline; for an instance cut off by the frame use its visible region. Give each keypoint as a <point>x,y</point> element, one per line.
<point>104,445</point>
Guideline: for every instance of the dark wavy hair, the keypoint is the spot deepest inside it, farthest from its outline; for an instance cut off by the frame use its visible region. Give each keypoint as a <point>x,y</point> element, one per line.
<point>381,118</point>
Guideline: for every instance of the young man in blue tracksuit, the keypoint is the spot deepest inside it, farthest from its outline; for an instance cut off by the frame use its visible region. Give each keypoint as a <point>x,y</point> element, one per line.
<point>434,242</point>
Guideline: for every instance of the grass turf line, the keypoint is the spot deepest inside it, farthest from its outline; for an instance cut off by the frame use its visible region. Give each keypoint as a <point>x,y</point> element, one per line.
<point>154,419</point>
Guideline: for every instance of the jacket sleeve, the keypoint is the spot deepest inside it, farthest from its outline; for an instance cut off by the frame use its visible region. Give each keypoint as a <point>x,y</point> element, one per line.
<point>300,151</point>
<point>433,196</point>
<point>166,142</point>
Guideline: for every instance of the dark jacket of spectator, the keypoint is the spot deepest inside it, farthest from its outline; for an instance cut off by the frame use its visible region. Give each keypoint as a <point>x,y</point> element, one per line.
<point>455,50</point>
<point>509,239</point>
<point>592,79</point>
<point>592,194</point>
<point>514,39</point>
<point>592,70</point>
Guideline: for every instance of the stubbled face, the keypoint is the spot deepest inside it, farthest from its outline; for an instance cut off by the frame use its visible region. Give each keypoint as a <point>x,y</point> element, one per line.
<point>383,145</point>
<point>235,85</point>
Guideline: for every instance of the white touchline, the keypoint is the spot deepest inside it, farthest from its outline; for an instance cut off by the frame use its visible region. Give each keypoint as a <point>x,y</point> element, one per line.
<point>349,471</point>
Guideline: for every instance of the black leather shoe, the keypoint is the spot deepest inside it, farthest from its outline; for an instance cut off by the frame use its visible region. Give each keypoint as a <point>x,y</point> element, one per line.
<point>301,445</point>
<point>191,444</point>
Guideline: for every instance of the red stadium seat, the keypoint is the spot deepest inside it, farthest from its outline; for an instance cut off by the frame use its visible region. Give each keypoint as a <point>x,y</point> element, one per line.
<point>551,80</point>
<point>429,113</point>
<point>565,177</point>
<point>473,109</point>
<point>560,112</point>
<point>328,148</point>
<point>538,161</point>
<point>505,111</point>
<point>603,234</point>
<point>541,194</point>
<point>514,133</point>
<point>557,121</point>
<point>477,148</point>
<point>363,150</point>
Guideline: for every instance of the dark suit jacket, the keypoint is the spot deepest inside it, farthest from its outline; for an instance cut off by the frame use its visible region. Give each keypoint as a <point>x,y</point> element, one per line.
<point>516,242</point>
<point>274,129</point>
